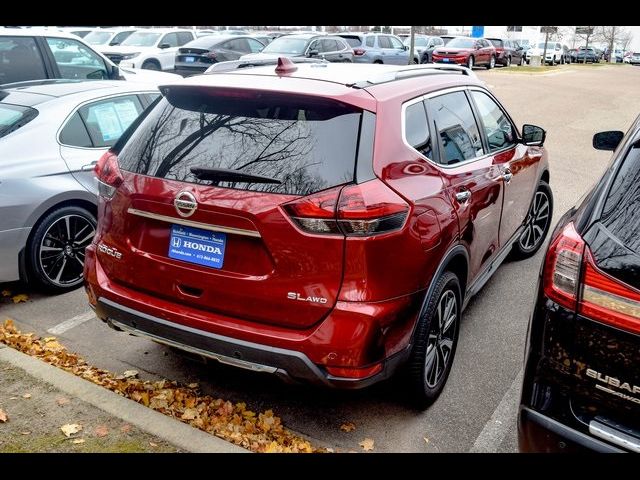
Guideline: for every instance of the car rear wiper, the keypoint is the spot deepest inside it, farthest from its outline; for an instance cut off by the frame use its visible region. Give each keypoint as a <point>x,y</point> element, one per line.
<point>228,175</point>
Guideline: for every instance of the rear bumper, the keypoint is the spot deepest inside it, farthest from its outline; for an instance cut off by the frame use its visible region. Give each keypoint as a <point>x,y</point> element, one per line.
<point>540,433</point>
<point>282,362</point>
<point>451,60</point>
<point>358,336</point>
<point>11,242</point>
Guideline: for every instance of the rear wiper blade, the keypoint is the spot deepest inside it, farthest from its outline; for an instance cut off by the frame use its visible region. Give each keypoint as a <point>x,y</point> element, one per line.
<point>228,175</point>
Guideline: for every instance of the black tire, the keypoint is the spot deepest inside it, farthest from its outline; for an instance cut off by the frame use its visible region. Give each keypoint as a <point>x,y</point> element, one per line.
<point>378,62</point>
<point>55,259</point>
<point>531,239</point>
<point>471,62</point>
<point>425,380</point>
<point>151,65</point>
<point>491,64</point>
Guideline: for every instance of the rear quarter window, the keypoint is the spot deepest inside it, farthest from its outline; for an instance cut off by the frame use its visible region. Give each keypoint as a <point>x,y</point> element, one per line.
<point>12,117</point>
<point>306,144</point>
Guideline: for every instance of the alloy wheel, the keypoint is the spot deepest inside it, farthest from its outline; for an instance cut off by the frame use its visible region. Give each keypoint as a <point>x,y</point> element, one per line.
<point>61,251</point>
<point>442,334</point>
<point>536,223</point>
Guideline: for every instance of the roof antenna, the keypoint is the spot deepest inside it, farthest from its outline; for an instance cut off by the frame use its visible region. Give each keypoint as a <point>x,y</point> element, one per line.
<point>285,65</point>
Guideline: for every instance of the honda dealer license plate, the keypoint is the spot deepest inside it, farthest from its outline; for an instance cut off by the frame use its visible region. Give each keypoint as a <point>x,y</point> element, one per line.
<point>189,59</point>
<point>445,60</point>
<point>198,246</point>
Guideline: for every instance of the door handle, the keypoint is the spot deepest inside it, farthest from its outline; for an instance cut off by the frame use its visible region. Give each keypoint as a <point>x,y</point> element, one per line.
<point>507,175</point>
<point>463,196</point>
<point>89,166</point>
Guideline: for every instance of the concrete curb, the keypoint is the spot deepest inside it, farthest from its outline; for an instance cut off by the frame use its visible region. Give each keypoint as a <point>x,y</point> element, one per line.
<point>173,431</point>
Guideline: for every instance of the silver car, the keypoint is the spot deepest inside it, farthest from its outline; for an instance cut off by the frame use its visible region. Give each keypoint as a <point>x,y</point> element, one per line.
<point>52,132</point>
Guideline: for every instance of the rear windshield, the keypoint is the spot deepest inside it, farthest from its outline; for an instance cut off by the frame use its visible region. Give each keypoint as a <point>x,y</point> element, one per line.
<point>496,42</point>
<point>307,144</point>
<point>620,212</point>
<point>353,41</point>
<point>12,117</point>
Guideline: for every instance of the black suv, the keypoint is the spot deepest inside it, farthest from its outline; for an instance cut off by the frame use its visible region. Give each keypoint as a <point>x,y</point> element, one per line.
<point>582,372</point>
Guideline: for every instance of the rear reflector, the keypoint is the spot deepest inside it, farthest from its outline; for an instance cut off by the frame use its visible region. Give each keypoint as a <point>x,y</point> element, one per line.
<point>358,52</point>
<point>358,373</point>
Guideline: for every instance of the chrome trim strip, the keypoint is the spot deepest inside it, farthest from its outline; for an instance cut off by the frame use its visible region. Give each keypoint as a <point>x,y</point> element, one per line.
<point>235,362</point>
<point>191,223</point>
<point>614,436</point>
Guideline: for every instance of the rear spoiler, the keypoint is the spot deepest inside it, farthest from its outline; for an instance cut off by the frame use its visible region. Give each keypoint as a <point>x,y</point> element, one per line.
<point>239,64</point>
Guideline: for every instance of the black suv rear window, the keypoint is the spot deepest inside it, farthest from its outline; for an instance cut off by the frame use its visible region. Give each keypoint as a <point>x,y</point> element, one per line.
<point>12,117</point>
<point>306,143</point>
<point>620,212</point>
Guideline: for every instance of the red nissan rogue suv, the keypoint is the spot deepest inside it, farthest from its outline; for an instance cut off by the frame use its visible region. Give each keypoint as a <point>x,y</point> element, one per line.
<point>323,222</point>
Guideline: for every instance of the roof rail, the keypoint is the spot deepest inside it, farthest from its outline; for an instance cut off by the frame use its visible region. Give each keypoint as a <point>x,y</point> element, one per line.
<point>231,65</point>
<point>413,71</point>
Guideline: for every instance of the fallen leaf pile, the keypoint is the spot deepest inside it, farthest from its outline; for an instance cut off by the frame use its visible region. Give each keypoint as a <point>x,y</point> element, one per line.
<point>261,432</point>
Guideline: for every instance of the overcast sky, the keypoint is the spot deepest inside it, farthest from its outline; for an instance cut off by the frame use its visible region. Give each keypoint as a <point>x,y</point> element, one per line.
<point>635,43</point>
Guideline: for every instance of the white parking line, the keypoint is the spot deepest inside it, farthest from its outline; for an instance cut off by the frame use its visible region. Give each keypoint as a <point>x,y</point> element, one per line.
<point>71,323</point>
<point>504,416</point>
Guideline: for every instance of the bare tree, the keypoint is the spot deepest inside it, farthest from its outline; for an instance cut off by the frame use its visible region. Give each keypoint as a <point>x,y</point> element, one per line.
<point>612,36</point>
<point>585,33</point>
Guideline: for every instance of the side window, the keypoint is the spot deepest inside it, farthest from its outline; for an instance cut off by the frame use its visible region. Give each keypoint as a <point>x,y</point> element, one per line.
<point>107,119</point>
<point>395,43</point>
<point>75,133</point>
<point>184,37</point>
<point>315,45</point>
<point>497,127</point>
<point>20,60</point>
<point>439,41</point>
<point>371,40</point>
<point>384,42</point>
<point>171,39</point>
<point>254,45</point>
<point>120,37</point>
<point>456,127</point>
<point>329,45</point>
<point>75,60</point>
<point>416,129</point>
<point>237,45</point>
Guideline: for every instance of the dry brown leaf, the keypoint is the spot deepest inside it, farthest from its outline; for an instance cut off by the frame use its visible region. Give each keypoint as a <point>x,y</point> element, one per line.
<point>70,429</point>
<point>26,432</point>
<point>426,439</point>
<point>62,401</point>
<point>102,431</point>
<point>26,395</point>
<point>125,428</point>
<point>348,427</point>
<point>130,373</point>
<point>193,385</point>
<point>366,444</point>
<point>77,440</point>
<point>6,293</point>
<point>21,297</point>
<point>3,416</point>
<point>189,414</point>
<point>153,444</point>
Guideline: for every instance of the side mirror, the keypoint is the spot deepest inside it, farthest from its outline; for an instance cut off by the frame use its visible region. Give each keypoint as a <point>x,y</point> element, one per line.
<point>312,53</point>
<point>533,135</point>
<point>405,47</point>
<point>607,140</point>
<point>164,45</point>
<point>111,44</point>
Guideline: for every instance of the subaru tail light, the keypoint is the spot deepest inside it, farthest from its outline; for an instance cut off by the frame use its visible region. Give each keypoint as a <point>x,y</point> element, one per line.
<point>573,280</point>
<point>108,173</point>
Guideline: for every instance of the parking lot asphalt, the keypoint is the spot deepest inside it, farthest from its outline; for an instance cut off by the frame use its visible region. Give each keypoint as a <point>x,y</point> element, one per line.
<point>477,410</point>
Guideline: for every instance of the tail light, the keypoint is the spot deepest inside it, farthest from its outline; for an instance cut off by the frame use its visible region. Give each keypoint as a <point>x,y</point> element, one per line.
<point>108,173</point>
<point>358,52</point>
<point>608,300</point>
<point>562,267</point>
<point>356,210</point>
<point>573,280</point>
